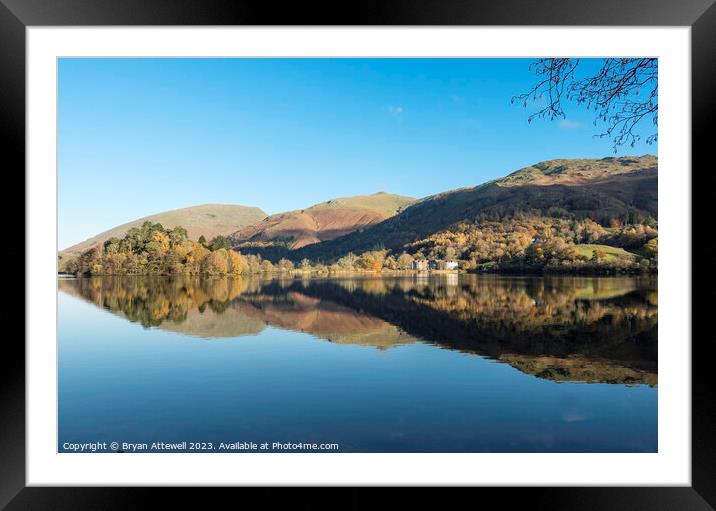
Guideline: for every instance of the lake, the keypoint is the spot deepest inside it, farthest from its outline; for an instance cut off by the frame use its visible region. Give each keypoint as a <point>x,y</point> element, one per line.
<point>441,363</point>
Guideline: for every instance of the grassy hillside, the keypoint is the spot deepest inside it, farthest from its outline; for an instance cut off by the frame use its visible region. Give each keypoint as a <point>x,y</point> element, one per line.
<point>578,171</point>
<point>610,253</point>
<point>385,204</point>
<point>603,190</point>
<point>209,220</point>
<point>324,221</point>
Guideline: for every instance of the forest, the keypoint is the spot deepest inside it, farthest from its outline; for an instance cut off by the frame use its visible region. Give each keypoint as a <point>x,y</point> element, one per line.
<point>544,244</point>
<point>519,243</point>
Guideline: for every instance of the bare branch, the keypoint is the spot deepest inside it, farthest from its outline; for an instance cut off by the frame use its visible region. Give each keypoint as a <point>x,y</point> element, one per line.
<point>622,94</point>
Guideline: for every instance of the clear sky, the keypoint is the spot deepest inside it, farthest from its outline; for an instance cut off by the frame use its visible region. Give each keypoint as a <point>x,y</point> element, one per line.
<point>141,136</point>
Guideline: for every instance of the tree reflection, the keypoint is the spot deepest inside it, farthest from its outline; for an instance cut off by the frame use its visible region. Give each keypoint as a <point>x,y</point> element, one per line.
<point>560,328</point>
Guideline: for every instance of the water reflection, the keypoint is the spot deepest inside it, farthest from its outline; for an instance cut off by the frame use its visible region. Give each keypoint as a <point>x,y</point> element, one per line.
<point>561,328</point>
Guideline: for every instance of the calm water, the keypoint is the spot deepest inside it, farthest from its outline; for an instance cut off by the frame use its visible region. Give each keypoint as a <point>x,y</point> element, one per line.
<point>416,364</point>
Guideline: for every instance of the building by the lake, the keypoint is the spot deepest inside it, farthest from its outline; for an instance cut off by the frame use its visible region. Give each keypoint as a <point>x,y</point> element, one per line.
<point>440,264</point>
<point>447,265</point>
<point>420,264</point>
<point>434,264</point>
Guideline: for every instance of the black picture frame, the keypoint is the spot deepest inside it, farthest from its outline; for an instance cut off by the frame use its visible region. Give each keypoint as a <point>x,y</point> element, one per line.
<point>16,15</point>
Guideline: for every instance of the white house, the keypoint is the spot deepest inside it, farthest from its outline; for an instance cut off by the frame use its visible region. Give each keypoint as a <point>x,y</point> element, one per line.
<point>419,264</point>
<point>451,265</point>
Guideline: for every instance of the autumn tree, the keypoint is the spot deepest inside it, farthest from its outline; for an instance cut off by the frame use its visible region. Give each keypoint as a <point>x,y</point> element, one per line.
<point>216,263</point>
<point>348,261</point>
<point>390,263</point>
<point>172,263</point>
<point>237,263</point>
<point>112,245</point>
<point>254,263</point>
<point>158,242</point>
<point>372,260</point>
<point>194,259</point>
<point>177,235</point>
<point>598,255</point>
<point>88,261</point>
<point>405,261</point>
<point>285,265</point>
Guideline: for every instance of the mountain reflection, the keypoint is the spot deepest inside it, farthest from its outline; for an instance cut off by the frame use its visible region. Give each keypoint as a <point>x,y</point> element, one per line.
<point>558,328</point>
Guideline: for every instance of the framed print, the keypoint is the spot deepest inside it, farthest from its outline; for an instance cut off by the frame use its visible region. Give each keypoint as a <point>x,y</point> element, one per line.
<point>416,247</point>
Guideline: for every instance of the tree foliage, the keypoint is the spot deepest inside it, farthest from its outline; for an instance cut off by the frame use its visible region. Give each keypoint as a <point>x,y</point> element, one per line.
<point>537,243</point>
<point>518,241</point>
<point>153,250</point>
<point>219,242</point>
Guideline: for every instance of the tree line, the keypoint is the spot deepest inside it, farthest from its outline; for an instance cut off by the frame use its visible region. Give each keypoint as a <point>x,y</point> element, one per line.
<point>519,243</point>
<point>153,250</point>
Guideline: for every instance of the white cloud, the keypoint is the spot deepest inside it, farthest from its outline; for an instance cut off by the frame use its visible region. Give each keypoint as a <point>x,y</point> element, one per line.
<point>569,125</point>
<point>395,111</point>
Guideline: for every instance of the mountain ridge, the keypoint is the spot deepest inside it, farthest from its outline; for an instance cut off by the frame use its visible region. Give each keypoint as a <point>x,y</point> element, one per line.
<point>577,171</point>
<point>599,189</point>
<point>320,222</point>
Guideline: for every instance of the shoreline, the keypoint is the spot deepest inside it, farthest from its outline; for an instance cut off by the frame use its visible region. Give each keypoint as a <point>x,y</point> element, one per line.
<point>390,273</point>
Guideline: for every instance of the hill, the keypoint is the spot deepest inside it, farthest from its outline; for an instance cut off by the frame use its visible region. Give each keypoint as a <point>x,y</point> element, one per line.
<point>578,171</point>
<point>321,222</point>
<point>208,220</point>
<point>606,190</point>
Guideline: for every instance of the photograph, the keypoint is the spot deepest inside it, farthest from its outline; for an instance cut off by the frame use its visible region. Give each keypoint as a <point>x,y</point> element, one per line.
<point>357,255</point>
<point>408,244</point>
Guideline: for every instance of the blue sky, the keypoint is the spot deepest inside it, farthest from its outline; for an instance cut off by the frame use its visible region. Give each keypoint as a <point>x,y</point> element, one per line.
<point>140,136</point>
